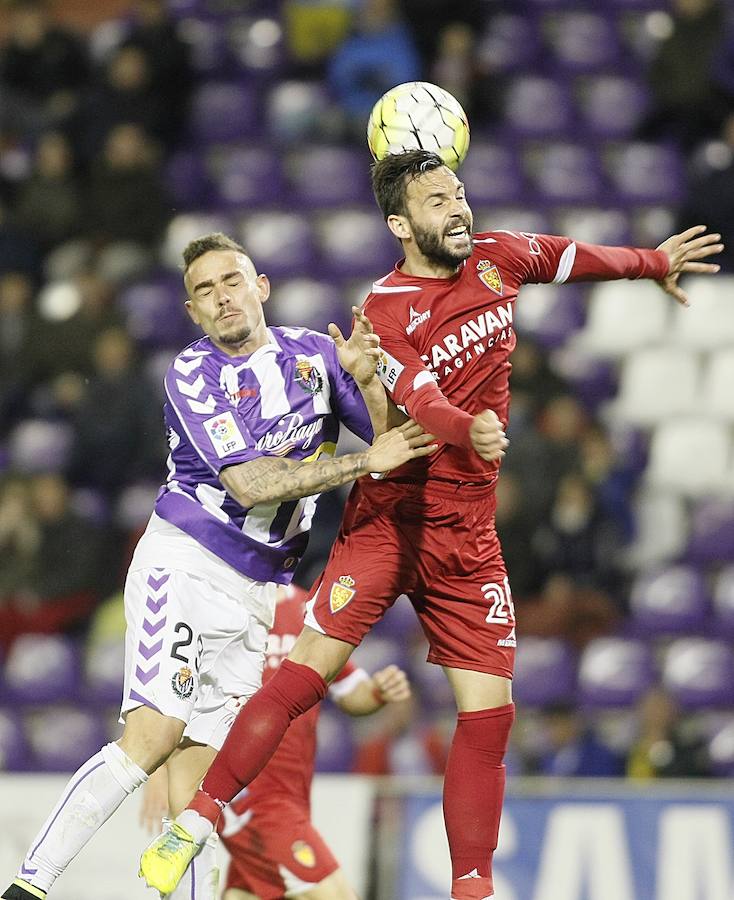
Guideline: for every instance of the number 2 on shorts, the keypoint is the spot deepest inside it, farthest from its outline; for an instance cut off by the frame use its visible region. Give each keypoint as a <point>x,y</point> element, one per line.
<point>502,610</point>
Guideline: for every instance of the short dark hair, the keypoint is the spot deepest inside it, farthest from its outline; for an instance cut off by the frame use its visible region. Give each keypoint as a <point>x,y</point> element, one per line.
<point>390,177</point>
<point>217,240</point>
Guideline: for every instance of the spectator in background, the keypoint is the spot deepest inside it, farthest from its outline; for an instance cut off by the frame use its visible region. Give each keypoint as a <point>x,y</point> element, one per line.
<point>429,19</point>
<point>48,203</point>
<point>685,106</point>
<point>59,563</point>
<point>18,251</point>
<point>573,749</point>
<point>663,747</point>
<point>711,188</point>
<point>18,327</point>
<point>314,29</point>
<point>516,526</point>
<point>127,209</point>
<point>42,69</point>
<point>115,429</point>
<point>378,55</point>
<point>154,34</point>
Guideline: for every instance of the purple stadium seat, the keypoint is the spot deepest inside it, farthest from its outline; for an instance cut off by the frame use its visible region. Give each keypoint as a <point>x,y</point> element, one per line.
<point>206,41</point>
<point>335,742</point>
<point>355,243</point>
<point>594,380</point>
<point>36,445</point>
<point>224,111</point>
<point>186,180</point>
<point>646,172</point>
<point>699,673</point>
<point>513,218</point>
<point>281,243</point>
<point>296,110</point>
<point>13,745</point>
<point>545,672</point>
<point>244,176</point>
<point>511,43</point>
<point>492,174</point>
<point>134,504</point>
<point>550,313</point>
<point>615,672</point>
<point>612,105</point>
<point>324,176</point>
<point>63,737</point>
<point>712,531</point>
<point>721,749</point>
<point>256,43</point>
<point>535,106</point>
<point>669,601</point>
<point>41,668</point>
<point>581,41</point>
<point>594,225</point>
<point>723,597</point>
<point>565,173</point>
<point>153,311</point>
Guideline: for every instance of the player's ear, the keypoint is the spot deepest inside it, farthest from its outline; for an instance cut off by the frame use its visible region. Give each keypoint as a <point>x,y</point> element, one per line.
<point>399,227</point>
<point>192,312</point>
<point>263,287</point>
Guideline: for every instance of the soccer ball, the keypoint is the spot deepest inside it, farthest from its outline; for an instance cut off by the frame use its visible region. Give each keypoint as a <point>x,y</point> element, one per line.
<point>419,115</point>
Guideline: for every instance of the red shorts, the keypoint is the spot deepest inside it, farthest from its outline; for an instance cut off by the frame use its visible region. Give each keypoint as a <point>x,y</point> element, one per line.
<point>440,547</point>
<point>278,853</point>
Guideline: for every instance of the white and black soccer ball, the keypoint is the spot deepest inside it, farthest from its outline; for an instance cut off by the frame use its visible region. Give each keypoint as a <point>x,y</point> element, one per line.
<point>419,115</point>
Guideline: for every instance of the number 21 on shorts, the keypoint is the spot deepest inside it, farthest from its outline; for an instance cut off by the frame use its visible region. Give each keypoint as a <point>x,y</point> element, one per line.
<point>499,596</point>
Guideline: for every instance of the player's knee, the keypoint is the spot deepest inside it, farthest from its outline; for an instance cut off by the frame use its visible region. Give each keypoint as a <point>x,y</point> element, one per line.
<point>149,737</point>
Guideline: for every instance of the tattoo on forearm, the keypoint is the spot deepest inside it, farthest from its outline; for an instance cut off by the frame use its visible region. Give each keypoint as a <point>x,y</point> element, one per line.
<point>272,479</point>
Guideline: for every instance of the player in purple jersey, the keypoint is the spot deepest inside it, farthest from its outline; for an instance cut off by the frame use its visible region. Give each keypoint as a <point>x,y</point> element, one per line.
<point>253,416</point>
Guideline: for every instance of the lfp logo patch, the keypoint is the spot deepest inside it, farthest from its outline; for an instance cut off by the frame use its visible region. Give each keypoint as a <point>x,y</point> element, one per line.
<point>224,434</point>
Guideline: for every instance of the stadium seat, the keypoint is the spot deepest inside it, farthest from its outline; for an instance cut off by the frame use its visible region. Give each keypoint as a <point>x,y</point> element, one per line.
<point>623,316</point>
<point>104,663</point>
<point>690,456</point>
<point>594,225</point>
<point>61,738</point>
<point>656,383</point>
<point>708,323</point>
<point>307,302</point>
<point>335,742</point>
<point>611,105</point>
<point>549,313</point>
<point>723,597</point>
<point>646,172</point>
<point>255,43</point>
<point>615,671</point>
<point>134,505</point>
<point>492,174</point>
<point>224,111</point>
<point>699,673</point>
<point>537,106</point>
<point>38,445</point>
<point>355,243</point>
<point>514,218</point>
<point>511,44</point>
<point>721,749</point>
<point>184,228</point>
<point>281,243</point>
<point>153,311</point>
<point>670,601</point>
<point>244,177</point>
<point>564,172</point>
<point>296,110</point>
<point>581,41</point>
<point>328,176</point>
<point>379,652</point>
<point>186,180</point>
<point>13,745</point>
<point>42,668</point>
<point>206,41</point>
<point>545,672</point>
<point>716,394</point>
<point>712,531</point>
<point>661,528</point>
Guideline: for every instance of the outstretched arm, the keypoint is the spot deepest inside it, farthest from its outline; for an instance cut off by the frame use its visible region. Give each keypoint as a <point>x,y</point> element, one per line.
<point>685,252</point>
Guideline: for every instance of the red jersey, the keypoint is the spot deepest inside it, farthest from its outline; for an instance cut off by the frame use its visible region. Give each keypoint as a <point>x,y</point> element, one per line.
<point>457,334</point>
<point>290,770</point>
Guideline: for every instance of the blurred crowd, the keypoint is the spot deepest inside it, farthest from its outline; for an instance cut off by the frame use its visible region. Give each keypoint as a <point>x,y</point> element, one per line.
<point>89,117</point>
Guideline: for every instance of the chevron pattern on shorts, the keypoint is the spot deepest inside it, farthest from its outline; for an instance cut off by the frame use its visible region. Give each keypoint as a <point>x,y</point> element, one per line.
<point>155,620</point>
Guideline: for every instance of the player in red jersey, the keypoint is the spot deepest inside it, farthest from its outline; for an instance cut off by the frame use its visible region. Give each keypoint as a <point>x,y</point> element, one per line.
<point>445,319</point>
<point>274,849</point>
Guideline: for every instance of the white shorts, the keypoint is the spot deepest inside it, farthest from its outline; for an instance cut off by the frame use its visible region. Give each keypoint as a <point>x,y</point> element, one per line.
<point>193,651</point>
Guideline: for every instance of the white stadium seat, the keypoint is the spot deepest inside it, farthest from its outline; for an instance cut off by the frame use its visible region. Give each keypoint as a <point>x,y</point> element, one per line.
<point>717,385</point>
<point>623,316</point>
<point>690,455</point>
<point>661,529</point>
<point>708,322</point>
<point>656,383</point>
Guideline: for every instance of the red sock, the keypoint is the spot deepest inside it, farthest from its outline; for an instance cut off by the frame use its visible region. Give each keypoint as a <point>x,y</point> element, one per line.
<point>256,733</point>
<point>474,787</point>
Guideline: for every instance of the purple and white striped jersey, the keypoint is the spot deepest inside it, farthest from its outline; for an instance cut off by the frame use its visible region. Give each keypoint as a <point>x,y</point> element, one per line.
<point>285,399</point>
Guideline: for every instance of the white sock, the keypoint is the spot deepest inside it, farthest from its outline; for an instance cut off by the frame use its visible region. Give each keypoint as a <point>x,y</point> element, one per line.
<point>201,879</point>
<point>93,793</point>
<point>197,826</point>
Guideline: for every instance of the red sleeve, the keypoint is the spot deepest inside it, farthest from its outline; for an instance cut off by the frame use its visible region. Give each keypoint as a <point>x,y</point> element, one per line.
<point>411,385</point>
<point>549,259</point>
